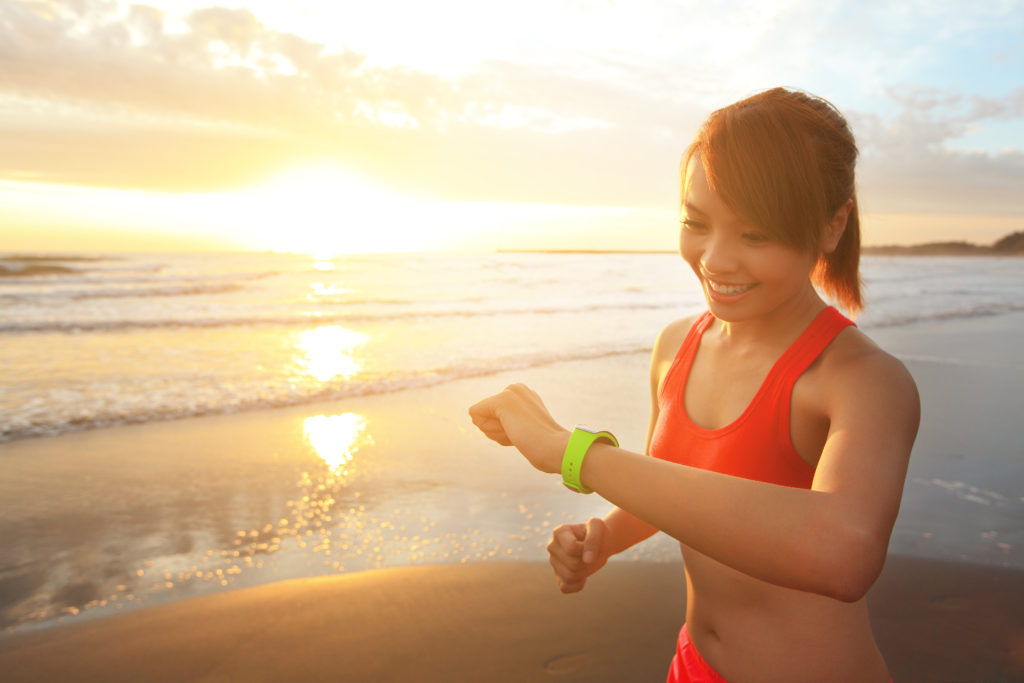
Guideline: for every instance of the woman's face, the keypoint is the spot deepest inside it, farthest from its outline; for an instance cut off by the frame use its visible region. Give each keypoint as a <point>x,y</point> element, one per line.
<point>745,273</point>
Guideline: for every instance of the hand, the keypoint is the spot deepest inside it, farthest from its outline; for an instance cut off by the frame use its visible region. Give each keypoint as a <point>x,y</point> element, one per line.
<point>576,551</point>
<point>517,417</point>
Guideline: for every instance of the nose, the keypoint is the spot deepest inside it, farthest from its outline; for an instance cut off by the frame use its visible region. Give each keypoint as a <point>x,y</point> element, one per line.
<point>720,255</point>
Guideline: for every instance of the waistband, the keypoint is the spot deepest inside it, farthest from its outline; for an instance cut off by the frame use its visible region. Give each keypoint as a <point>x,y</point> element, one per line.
<point>687,664</point>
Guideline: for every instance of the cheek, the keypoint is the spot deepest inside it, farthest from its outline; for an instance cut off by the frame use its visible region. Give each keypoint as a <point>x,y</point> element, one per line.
<point>688,247</point>
<point>782,264</point>
<point>691,254</point>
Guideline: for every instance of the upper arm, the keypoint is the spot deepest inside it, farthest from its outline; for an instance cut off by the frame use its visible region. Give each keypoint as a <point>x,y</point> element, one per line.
<point>666,346</point>
<point>874,411</point>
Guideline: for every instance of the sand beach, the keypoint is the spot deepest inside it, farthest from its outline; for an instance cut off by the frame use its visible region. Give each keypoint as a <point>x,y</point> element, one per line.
<point>177,550</point>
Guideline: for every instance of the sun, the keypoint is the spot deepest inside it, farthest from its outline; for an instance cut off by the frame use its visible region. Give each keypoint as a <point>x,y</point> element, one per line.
<point>327,210</point>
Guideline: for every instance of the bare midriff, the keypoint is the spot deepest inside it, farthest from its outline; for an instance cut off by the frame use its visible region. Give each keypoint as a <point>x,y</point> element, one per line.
<point>744,627</point>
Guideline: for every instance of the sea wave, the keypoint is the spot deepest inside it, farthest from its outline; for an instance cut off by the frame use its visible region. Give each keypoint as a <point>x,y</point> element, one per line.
<point>184,289</point>
<point>69,284</point>
<point>33,270</point>
<point>53,422</point>
<point>311,317</point>
<point>396,311</point>
<point>976,311</point>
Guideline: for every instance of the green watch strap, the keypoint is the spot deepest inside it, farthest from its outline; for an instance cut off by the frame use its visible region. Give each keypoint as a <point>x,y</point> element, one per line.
<point>572,459</point>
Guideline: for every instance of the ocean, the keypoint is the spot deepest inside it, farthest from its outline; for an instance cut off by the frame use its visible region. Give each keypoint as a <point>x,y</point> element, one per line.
<point>90,342</point>
<point>336,438</point>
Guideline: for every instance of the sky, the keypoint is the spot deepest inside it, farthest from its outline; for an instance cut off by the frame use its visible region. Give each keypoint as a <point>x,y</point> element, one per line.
<point>338,127</point>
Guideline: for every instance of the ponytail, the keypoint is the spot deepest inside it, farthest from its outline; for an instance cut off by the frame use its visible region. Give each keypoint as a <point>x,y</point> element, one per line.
<point>837,274</point>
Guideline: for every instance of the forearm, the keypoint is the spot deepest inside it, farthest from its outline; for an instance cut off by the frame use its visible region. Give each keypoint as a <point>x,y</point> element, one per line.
<point>786,536</point>
<point>626,530</point>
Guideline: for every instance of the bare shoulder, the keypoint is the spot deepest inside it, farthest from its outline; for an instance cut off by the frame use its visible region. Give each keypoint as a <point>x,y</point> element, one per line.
<point>666,346</point>
<point>855,369</point>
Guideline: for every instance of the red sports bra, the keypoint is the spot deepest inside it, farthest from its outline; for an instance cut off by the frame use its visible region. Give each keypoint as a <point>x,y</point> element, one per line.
<point>757,445</point>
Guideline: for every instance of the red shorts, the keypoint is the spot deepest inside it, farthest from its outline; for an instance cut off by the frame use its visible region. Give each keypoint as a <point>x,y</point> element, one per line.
<point>688,666</point>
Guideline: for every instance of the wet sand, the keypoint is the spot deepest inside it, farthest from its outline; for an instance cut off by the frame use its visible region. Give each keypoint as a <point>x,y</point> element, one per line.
<point>501,621</point>
<point>425,546</point>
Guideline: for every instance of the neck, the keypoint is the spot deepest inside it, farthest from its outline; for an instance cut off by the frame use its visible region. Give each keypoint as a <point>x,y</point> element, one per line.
<point>780,325</point>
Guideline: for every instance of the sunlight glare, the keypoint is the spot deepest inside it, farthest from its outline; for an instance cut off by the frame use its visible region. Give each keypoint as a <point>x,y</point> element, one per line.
<point>326,352</point>
<point>326,210</point>
<point>335,438</point>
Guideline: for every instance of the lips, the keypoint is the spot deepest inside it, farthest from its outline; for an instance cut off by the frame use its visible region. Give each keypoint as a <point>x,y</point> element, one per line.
<point>727,289</point>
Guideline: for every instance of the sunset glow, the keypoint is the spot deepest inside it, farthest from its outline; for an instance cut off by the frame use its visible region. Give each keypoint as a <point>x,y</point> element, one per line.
<point>327,211</point>
<point>337,128</point>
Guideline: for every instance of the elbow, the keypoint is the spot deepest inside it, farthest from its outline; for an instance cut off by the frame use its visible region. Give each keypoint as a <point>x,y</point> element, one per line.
<point>852,588</point>
<point>854,568</point>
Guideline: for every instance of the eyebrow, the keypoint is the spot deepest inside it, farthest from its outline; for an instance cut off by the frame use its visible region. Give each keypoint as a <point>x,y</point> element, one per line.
<point>690,207</point>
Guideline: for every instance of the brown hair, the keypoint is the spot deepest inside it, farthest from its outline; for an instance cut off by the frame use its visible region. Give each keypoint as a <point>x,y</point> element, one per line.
<point>784,160</point>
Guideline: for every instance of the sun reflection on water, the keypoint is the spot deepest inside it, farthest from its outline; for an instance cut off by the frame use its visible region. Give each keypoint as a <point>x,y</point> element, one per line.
<point>335,438</point>
<point>322,289</point>
<point>327,352</point>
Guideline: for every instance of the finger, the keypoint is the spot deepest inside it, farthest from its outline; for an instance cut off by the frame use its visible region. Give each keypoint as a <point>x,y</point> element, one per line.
<point>570,538</point>
<point>484,411</point>
<point>484,416</point>
<point>571,559</point>
<point>593,540</point>
<point>494,432</point>
<point>568,573</point>
<point>571,586</point>
<point>564,556</point>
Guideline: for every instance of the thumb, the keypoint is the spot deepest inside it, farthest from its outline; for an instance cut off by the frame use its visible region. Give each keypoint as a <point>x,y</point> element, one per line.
<point>593,540</point>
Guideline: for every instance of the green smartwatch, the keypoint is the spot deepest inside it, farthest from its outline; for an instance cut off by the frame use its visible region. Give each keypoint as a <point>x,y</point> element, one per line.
<point>572,458</point>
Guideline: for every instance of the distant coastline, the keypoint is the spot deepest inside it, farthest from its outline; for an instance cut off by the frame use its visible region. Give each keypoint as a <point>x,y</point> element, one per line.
<point>1010,245</point>
<point>585,251</point>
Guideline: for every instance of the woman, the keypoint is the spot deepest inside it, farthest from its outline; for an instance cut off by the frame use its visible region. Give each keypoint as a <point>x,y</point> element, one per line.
<point>780,434</point>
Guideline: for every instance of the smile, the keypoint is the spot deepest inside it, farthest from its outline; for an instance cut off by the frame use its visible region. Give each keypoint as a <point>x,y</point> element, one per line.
<point>729,290</point>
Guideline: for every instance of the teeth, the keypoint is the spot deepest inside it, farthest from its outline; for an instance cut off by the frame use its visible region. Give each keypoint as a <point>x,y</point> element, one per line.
<point>728,289</point>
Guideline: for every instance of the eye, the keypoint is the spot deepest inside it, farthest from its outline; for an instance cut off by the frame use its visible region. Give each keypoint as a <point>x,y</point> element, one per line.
<point>756,237</point>
<point>692,225</point>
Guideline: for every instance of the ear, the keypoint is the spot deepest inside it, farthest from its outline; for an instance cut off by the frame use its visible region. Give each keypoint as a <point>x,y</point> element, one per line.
<point>836,227</point>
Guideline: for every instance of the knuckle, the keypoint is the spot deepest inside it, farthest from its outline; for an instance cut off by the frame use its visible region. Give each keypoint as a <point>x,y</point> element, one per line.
<point>562,572</point>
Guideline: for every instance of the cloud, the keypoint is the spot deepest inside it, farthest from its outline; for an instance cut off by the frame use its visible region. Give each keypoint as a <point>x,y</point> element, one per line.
<point>95,93</point>
<point>911,164</point>
<point>228,98</point>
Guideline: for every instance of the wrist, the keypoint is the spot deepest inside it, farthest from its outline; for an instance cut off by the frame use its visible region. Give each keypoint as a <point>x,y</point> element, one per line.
<point>559,442</point>
<point>579,443</point>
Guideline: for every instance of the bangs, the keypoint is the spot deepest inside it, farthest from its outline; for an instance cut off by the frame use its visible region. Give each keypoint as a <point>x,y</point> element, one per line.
<point>766,171</point>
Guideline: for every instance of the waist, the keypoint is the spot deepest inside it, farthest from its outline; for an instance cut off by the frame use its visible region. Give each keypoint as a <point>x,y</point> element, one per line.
<point>744,627</point>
